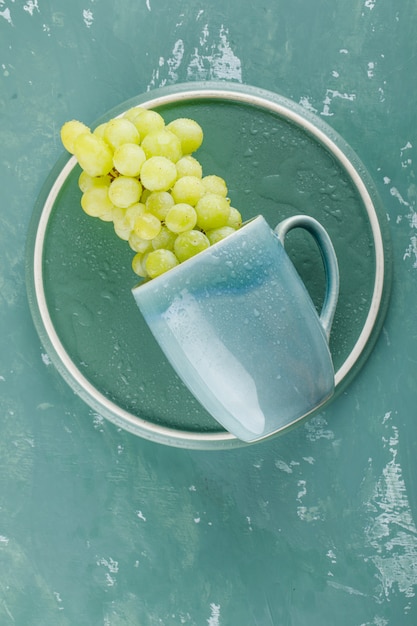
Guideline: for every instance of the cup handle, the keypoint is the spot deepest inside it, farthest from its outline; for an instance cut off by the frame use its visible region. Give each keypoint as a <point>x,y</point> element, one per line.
<point>329,261</point>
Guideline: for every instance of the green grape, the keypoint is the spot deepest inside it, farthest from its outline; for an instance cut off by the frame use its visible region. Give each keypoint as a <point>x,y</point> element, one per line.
<point>189,132</point>
<point>133,212</point>
<point>124,191</point>
<point>120,224</point>
<point>189,166</point>
<point>128,159</point>
<point>138,265</point>
<point>235,219</point>
<point>118,214</point>
<point>130,114</point>
<point>107,216</point>
<point>181,217</point>
<point>162,143</point>
<point>124,222</point>
<point>160,261</point>
<point>158,173</point>
<point>96,203</point>
<point>85,181</point>
<point>93,154</point>
<point>212,211</point>
<point>138,244</point>
<point>217,234</point>
<point>189,244</point>
<point>147,226</point>
<point>119,131</point>
<point>215,184</point>
<point>69,133</point>
<point>165,239</point>
<point>188,189</point>
<point>145,195</point>
<point>159,202</point>
<point>147,122</point>
<point>100,130</point>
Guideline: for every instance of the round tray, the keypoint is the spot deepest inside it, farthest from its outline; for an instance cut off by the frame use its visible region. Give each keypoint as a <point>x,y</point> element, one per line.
<point>278,160</point>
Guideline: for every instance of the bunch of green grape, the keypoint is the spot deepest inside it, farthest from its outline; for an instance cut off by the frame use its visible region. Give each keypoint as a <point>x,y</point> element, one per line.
<point>139,174</point>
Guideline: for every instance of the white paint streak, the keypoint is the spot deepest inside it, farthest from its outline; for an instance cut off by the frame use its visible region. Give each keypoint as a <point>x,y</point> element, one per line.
<point>407,161</point>
<point>305,102</point>
<point>46,360</point>
<point>215,60</point>
<point>58,599</point>
<point>331,94</point>
<point>392,533</point>
<point>31,6</point>
<point>377,621</point>
<point>98,421</point>
<point>214,619</point>
<point>6,15</point>
<point>385,419</point>
<point>309,514</point>
<point>332,556</point>
<point>175,60</point>
<point>407,146</point>
<point>411,251</point>
<point>226,64</point>
<point>110,563</point>
<point>88,17</point>
<point>316,429</point>
<point>112,567</point>
<point>204,35</point>
<point>394,192</point>
<point>309,459</point>
<point>283,466</point>
<point>303,489</point>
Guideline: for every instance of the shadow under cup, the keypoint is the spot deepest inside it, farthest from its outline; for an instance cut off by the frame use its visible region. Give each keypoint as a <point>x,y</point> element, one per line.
<point>240,329</point>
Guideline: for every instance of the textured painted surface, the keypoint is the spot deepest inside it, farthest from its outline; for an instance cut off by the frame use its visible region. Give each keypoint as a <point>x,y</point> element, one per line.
<point>98,527</point>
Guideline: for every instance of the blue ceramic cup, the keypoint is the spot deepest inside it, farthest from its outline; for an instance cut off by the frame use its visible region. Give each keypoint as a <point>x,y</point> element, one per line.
<point>240,329</point>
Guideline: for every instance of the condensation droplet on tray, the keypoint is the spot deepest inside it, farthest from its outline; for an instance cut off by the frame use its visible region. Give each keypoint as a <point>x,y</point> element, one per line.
<point>82,315</point>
